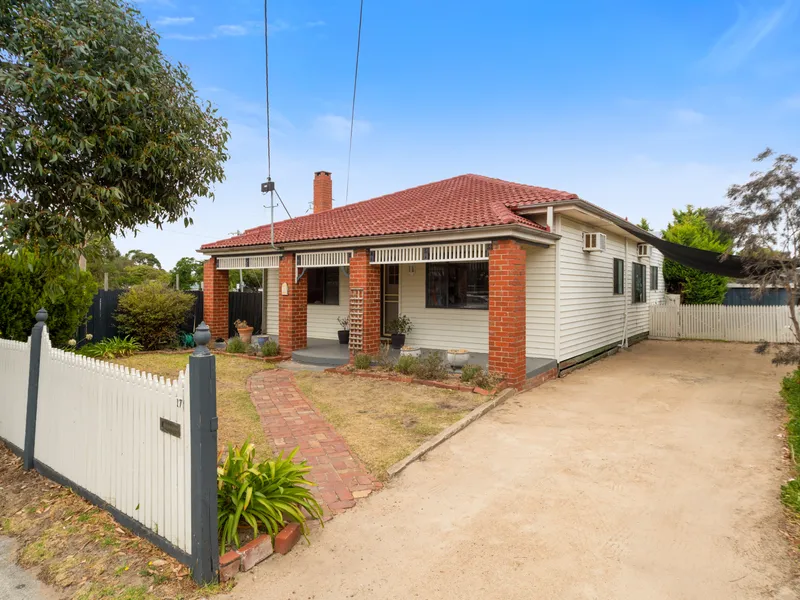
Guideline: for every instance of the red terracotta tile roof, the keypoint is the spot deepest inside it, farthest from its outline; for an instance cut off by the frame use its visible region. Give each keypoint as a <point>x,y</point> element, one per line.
<point>457,203</point>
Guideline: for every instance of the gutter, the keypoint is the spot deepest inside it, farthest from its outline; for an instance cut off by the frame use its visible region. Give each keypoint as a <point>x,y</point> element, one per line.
<point>585,206</point>
<point>519,233</point>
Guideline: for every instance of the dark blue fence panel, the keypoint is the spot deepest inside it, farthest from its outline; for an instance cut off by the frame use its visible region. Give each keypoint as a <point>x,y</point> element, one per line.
<point>745,296</point>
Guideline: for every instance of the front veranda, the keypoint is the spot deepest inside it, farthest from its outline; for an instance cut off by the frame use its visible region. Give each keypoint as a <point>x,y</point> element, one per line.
<point>467,295</point>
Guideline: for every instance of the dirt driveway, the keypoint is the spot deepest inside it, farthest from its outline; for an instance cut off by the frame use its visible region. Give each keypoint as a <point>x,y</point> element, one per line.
<point>654,474</point>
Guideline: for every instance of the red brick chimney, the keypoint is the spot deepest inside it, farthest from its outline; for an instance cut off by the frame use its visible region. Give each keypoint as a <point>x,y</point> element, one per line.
<point>323,191</point>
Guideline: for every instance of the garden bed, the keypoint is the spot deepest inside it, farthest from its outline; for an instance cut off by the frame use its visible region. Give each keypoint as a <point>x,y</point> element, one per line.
<point>451,382</point>
<point>383,420</point>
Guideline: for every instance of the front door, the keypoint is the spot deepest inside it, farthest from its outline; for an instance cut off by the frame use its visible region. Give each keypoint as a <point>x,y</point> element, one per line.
<point>390,296</point>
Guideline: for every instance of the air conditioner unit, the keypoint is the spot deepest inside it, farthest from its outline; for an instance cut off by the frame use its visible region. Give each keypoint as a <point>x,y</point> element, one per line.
<point>642,250</point>
<point>594,242</point>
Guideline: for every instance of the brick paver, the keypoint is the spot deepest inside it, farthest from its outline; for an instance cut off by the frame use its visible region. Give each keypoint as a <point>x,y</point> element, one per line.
<point>290,420</point>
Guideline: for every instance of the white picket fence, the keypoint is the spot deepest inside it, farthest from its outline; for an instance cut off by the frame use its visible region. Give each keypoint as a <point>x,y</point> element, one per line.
<point>718,322</point>
<point>98,426</point>
<point>14,366</point>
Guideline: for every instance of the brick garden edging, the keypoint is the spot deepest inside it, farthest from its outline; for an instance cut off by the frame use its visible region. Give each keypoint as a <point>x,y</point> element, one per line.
<point>460,387</point>
<point>257,551</point>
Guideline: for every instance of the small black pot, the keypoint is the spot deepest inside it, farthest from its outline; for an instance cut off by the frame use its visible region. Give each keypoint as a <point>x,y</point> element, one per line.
<point>344,336</point>
<point>398,340</point>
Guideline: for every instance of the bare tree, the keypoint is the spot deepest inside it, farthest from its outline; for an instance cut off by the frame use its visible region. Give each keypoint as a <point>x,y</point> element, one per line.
<point>763,220</point>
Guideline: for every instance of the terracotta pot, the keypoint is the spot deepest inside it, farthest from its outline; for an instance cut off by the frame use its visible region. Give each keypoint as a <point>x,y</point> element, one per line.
<point>246,333</point>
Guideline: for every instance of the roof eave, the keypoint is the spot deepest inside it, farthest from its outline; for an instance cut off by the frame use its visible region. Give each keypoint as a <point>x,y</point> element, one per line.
<point>516,231</point>
<point>580,204</point>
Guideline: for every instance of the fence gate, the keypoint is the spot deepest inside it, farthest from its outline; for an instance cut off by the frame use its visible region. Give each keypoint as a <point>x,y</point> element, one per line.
<point>720,322</point>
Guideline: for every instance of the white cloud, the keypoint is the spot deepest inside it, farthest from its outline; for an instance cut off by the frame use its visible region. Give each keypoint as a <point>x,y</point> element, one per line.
<point>338,128</point>
<point>687,116</point>
<point>187,37</point>
<point>312,24</point>
<point>751,28</point>
<point>277,26</point>
<point>169,21</point>
<point>792,102</point>
<point>167,3</point>
<point>232,30</point>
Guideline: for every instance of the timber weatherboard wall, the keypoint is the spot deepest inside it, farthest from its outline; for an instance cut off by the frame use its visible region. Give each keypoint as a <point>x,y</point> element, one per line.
<point>591,315</point>
<point>441,328</point>
<point>271,291</point>
<point>323,321</point>
<point>540,302</point>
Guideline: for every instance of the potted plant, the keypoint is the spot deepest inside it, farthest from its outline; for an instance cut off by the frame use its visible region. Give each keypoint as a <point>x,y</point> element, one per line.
<point>344,332</point>
<point>399,327</point>
<point>220,344</point>
<point>457,357</point>
<point>244,330</point>
<point>411,351</point>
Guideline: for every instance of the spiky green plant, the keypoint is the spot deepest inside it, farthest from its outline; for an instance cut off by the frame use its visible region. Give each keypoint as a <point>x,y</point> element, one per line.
<point>261,495</point>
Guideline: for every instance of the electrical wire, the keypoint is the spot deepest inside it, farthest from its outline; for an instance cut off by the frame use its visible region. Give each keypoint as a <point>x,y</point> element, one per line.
<point>353,109</point>
<point>266,79</point>
<point>282,204</point>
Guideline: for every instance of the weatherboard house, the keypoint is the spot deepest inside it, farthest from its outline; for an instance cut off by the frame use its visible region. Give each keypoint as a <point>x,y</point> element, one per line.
<point>535,278</point>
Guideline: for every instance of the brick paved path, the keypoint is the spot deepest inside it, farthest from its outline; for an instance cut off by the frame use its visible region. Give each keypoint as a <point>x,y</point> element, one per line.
<point>290,420</point>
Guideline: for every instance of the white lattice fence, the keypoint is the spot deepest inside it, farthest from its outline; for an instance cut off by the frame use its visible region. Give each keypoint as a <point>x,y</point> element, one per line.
<point>98,425</point>
<point>14,366</point>
<point>718,322</point>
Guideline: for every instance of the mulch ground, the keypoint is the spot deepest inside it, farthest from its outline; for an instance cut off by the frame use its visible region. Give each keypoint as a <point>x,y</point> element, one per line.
<point>79,549</point>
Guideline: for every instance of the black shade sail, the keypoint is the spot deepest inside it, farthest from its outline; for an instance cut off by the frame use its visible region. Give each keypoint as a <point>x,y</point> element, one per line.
<point>703,260</point>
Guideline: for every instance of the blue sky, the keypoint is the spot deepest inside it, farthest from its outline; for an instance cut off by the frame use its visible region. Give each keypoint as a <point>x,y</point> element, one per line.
<point>639,107</point>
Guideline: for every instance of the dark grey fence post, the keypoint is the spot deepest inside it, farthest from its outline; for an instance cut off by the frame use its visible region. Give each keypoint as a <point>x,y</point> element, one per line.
<point>203,414</point>
<point>33,389</point>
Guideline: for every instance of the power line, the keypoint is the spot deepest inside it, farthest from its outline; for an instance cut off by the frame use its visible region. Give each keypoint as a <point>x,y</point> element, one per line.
<point>353,110</point>
<point>266,79</point>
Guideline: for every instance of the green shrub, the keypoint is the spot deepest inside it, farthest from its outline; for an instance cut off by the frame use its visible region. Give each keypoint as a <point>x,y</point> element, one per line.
<point>152,312</point>
<point>270,348</point>
<point>401,324</point>
<point>487,381</point>
<point>470,372</point>
<point>407,365</point>
<point>236,346</point>
<point>363,361</point>
<point>22,293</point>
<point>384,359</point>
<point>111,348</point>
<point>261,495</point>
<point>432,366</point>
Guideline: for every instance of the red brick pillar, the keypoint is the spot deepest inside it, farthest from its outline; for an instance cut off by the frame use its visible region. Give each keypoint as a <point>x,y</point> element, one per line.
<point>507,311</point>
<point>215,299</point>
<point>367,277</point>
<point>292,306</point>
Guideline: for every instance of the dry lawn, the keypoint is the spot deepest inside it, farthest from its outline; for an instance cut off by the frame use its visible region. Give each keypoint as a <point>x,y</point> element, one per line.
<point>384,421</point>
<point>78,548</point>
<point>238,419</point>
